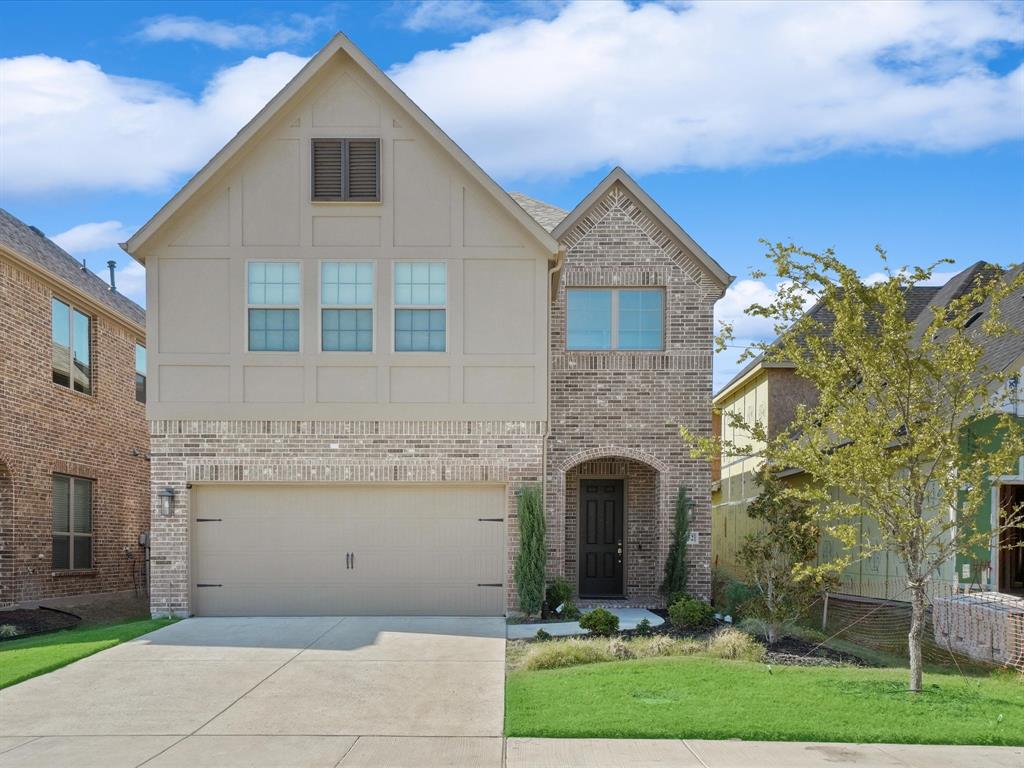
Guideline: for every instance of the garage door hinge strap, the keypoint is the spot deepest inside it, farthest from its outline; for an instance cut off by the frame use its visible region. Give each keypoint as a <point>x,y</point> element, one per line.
<point>208,520</point>
<point>490,519</point>
<point>490,585</point>
<point>209,585</point>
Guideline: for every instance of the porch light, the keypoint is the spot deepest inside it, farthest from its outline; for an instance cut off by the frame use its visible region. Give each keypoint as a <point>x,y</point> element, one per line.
<point>166,496</point>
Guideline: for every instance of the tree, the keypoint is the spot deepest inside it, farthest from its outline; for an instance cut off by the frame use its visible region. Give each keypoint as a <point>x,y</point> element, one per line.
<point>883,440</point>
<point>776,559</point>
<point>676,577</point>
<point>531,559</point>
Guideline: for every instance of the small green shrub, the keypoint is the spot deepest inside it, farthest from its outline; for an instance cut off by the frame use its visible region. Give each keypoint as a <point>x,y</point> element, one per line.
<point>559,591</point>
<point>663,645</point>
<point>566,653</point>
<point>735,597</point>
<point>601,622</point>
<point>690,613</point>
<point>532,555</point>
<point>9,630</point>
<point>731,643</point>
<point>643,628</point>
<point>542,635</point>
<point>569,611</point>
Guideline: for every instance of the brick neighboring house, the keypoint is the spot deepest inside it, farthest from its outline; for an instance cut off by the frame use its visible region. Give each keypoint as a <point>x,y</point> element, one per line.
<point>362,348</point>
<point>74,480</point>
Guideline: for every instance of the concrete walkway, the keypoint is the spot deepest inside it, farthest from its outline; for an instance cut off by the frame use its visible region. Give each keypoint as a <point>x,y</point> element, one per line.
<point>628,619</point>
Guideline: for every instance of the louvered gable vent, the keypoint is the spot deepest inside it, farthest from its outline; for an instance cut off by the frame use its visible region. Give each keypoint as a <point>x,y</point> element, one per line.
<point>346,169</point>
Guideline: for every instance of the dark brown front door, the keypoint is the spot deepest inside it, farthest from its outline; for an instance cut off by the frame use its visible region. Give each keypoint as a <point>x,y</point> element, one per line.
<point>601,538</point>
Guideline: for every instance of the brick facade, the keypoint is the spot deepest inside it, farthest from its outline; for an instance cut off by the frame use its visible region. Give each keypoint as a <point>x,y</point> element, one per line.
<point>46,428</point>
<point>626,407</point>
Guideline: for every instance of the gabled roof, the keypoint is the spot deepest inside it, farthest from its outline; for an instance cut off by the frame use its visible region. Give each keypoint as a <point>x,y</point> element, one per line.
<point>338,43</point>
<point>545,214</point>
<point>918,297</point>
<point>33,246</point>
<point>619,176</point>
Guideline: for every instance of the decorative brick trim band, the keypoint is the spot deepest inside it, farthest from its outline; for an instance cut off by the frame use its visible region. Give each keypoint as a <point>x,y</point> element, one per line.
<point>602,276</point>
<point>631,361</point>
<point>346,472</point>
<point>613,452</point>
<point>618,198</point>
<point>345,428</point>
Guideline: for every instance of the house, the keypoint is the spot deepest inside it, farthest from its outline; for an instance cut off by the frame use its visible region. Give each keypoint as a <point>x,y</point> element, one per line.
<point>361,349</point>
<point>770,391</point>
<point>74,480</point>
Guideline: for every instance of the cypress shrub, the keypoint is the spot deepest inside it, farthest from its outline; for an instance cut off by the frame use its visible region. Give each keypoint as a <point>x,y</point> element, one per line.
<point>532,556</point>
<point>675,566</point>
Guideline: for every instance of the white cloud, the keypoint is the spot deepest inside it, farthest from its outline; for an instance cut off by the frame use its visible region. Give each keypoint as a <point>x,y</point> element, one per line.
<point>656,87</point>
<point>70,125</point>
<point>131,281</point>
<point>299,28</point>
<point>474,14</point>
<point>93,236</point>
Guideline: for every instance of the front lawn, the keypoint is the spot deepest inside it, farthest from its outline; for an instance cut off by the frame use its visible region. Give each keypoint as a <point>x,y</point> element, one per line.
<point>696,697</point>
<point>31,656</point>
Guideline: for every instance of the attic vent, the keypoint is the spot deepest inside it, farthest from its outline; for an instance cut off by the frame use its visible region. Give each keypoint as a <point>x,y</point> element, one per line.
<point>346,169</point>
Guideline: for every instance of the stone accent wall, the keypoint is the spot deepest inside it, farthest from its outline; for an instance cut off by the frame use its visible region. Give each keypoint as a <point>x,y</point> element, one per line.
<point>186,452</point>
<point>46,428</point>
<point>629,405</point>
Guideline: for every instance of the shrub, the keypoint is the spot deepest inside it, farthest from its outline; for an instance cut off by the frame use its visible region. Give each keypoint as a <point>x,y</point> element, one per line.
<point>663,645</point>
<point>559,592</point>
<point>601,622</point>
<point>731,643</point>
<point>643,628</point>
<point>566,653</point>
<point>532,555</point>
<point>690,613</point>
<point>733,598</point>
<point>569,611</point>
<point>542,635</point>
<point>675,565</point>
<point>9,630</point>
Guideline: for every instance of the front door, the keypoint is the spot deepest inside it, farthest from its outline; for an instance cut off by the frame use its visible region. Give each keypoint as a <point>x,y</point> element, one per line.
<point>601,538</point>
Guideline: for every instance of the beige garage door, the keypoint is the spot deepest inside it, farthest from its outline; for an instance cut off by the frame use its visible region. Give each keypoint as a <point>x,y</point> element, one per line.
<point>314,550</point>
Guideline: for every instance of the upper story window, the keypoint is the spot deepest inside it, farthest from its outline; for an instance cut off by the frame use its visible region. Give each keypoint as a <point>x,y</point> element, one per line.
<point>615,318</point>
<point>72,523</point>
<point>346,301</point>
<point>71,333</point>
<point>421,298</point>
<point>140,373</point>
<point>345,170</point>
<point>273,306</point>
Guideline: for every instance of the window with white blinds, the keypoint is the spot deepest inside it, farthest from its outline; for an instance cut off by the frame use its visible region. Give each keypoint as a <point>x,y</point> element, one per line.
<point>72,523</point>
<point>346,170</point>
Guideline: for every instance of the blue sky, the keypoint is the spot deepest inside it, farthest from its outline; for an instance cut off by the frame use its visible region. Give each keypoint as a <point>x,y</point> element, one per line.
<point>832,125</point>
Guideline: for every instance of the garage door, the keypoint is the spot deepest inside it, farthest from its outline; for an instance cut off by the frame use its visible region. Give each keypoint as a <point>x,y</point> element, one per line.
<point>301,550</point>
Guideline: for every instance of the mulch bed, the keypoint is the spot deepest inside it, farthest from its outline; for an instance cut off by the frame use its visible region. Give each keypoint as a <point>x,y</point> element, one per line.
<point>795,652</point>
<point>36,621</point>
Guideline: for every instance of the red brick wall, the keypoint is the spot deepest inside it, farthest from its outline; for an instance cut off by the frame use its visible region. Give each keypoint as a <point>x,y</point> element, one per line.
<point>46,428</point>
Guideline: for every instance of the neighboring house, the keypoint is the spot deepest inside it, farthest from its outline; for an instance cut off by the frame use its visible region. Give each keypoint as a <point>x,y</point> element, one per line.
<point>361,348</point>
<point>769,393</point>
<point>74,480</point>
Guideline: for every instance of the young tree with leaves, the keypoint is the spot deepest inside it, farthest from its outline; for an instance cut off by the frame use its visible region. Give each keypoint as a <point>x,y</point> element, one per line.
<point>884,440</point>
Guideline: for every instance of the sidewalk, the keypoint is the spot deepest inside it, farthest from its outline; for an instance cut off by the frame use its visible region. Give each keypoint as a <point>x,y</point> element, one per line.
<point>653,753</point>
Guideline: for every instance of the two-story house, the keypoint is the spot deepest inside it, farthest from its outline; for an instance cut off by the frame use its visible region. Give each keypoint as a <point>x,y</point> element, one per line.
<point>361,348</point>
<point>74,476</point>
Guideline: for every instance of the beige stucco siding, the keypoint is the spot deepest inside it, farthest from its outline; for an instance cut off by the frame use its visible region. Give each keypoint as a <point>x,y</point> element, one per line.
<point>258,207</point>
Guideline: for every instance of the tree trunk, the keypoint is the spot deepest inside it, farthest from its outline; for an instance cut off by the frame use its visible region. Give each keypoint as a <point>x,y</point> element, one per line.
<point>918,598</point>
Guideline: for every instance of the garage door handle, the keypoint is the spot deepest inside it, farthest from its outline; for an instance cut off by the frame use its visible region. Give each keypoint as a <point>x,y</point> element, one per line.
<point>209,585</point>
<point>490,519</point>
<point>208,520</point>
<point>490,585</point>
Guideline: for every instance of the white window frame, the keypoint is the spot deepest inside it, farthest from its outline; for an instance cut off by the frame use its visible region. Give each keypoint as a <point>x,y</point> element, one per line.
<point>615,290</point>
<point>320,312</point>
<point>249,306</point>
<point>395,306</point>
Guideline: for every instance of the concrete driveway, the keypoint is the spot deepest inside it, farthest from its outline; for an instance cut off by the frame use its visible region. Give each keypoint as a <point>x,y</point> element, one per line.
<point>322,691</point>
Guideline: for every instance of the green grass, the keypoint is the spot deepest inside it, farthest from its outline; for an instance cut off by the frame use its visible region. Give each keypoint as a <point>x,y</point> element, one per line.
<point>702,698</point>
<point>31,656</point>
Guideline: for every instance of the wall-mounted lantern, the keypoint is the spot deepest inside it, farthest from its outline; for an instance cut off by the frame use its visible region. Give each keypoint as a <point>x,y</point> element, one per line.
<point>166,496</point>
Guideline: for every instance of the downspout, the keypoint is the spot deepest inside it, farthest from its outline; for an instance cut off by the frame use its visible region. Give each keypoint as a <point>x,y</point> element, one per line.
<point>552,293</point>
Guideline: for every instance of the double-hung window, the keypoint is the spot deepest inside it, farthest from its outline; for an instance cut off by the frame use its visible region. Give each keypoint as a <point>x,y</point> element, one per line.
<point>140,373</point>
<point>273,304</point>
<point>615,318</point>
<point>421,298</point>
<point>72,523</point>
<point>346,306</point>
<point>70,332</point>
